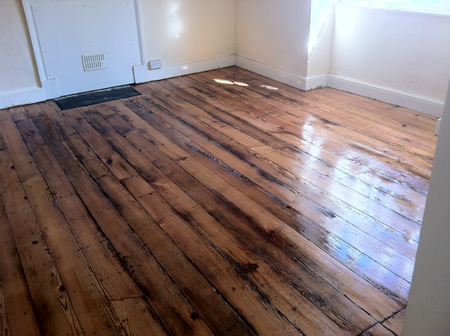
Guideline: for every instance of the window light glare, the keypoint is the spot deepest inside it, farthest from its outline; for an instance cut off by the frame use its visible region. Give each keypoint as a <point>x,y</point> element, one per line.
<point>425,6</point>
<point>223,81</point>
<point>269,87</point>
<point>226,81</point>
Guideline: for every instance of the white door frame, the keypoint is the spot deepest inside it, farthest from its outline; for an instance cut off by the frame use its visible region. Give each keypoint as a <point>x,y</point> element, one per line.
<point>50,85</point>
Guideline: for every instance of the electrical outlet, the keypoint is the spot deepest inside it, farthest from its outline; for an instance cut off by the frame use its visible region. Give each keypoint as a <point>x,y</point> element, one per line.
<point>156,64</point>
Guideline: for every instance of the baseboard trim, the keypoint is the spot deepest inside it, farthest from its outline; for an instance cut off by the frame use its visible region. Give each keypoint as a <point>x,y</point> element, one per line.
<point>285,77</point>
<point>389,96</point>
<point>438,127</point>
<point>316,82</point>
<point>49,90</point>
<point>142,74</point>
<point>23,97</point>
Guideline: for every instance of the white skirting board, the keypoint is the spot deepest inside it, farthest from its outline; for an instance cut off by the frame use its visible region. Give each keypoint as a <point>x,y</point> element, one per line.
<point>438,126</point>
<point>142,74</point>
<point>23,97</point>
<point>49,90</point>
<point>307,83</point>
<point>299,82</point>
<point>386,95</point>
<point>271,72</point>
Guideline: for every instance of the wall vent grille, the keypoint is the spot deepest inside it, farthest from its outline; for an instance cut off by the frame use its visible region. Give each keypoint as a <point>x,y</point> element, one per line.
<point>93,62</point>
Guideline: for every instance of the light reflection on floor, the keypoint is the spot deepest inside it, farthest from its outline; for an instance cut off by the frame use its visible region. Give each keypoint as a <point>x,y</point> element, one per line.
<point>269,87</point>
<point>229,82</point>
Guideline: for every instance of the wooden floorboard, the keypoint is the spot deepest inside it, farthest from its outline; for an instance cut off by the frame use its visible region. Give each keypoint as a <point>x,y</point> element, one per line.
<point>216,203</point>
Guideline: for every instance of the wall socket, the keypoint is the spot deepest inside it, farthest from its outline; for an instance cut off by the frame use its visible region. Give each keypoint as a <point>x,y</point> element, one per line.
<point>156,64</point>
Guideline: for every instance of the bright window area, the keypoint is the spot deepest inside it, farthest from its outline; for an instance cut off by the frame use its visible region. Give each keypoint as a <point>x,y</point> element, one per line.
<point>425,6</point>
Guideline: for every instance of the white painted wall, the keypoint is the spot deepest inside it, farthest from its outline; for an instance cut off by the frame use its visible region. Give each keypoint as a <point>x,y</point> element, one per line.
<point>17,68</point>
<point>428,311</point>
<point>274,34</point>
<point>403,52</point>
<point>188,31</point>
<point>188,36</point>
<point>320,40</point>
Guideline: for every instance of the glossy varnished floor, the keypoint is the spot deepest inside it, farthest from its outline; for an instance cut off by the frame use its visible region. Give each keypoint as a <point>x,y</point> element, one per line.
<point>239,207</point>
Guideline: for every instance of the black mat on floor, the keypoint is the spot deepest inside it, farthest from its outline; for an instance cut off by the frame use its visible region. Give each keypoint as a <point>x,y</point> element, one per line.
<point>95,97</point>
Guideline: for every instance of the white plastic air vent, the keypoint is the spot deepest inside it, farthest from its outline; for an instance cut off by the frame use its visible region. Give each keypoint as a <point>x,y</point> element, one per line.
<point>93,62</point>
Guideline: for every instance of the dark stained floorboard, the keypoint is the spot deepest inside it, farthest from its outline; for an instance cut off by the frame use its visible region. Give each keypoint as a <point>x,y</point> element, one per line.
<point>203,207</point>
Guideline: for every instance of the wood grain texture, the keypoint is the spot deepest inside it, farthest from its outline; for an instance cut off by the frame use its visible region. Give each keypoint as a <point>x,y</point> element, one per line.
<point>377,330</point>
<point>395,323</point>
<point>284,177</point>
<point>248,208</point>
<point>17,316</point>
<point>51,305</point>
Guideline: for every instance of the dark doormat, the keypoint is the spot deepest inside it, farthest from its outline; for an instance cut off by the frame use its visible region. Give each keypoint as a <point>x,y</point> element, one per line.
<point>95,97</point>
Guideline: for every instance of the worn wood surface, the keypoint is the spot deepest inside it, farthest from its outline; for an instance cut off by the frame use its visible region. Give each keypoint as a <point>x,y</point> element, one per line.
<point>395,323</point>
<point>216,203</point>
<point>378,330</point>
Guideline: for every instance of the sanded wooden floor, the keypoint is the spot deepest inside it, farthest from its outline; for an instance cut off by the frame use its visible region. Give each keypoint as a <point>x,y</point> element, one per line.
<point>239,207</point>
